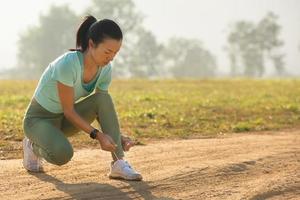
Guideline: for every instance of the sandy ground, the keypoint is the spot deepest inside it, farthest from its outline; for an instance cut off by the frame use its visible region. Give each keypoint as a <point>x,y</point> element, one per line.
<point>239,166</point>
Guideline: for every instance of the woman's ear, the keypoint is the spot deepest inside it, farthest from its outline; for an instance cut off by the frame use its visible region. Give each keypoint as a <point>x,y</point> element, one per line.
<point>91,43</point>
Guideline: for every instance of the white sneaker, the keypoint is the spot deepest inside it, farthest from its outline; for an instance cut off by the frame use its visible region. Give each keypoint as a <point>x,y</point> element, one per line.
<point>122,170</point>
<point>31,162</point>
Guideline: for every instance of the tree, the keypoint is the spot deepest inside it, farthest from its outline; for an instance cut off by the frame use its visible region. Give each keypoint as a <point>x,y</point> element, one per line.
<point>124,13</point>
<point>187,58</point>
<point>54,35</point>
<point>250,45</point>
<point>278,62</point>
<point>145,60</point>
<point>57,30</point>
<point>239,39</point>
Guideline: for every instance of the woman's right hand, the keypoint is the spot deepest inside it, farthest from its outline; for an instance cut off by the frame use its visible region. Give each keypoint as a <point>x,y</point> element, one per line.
<point>106,142</point>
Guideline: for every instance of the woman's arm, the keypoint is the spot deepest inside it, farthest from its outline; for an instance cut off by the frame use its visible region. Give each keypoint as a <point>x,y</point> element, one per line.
<point>66,95</point>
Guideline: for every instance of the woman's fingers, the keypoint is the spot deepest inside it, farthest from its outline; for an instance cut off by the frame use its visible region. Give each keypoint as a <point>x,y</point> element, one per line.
<point>127,145</point>
<point>113,145</point>
<point>107,143</point>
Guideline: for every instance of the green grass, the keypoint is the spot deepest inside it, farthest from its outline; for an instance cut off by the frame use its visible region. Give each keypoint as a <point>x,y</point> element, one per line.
<point>171,108</point>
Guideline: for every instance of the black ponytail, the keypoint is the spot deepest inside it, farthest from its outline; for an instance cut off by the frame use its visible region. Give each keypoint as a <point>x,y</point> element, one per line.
<point>82,32</point>
<point>97,31</point>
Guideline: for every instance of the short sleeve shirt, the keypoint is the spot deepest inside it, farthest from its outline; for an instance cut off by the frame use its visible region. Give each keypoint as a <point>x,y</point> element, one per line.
<point>68,69</point>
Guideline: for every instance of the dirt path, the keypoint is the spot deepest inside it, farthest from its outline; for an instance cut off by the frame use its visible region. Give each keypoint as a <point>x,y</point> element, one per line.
<point>240,166</point>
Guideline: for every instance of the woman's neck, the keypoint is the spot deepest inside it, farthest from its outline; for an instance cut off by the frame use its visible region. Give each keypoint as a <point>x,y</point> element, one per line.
<point>89,62</point>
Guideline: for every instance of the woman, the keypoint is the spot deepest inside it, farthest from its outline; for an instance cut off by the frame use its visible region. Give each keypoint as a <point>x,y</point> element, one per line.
<point>55,113</point>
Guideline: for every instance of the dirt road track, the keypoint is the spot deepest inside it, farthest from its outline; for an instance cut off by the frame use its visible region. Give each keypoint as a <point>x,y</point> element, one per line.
<point>239,166</point>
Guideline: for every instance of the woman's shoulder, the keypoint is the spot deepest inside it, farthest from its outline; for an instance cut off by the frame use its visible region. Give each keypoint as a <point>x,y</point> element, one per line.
<point>107,68</point>
<point>69,57</point>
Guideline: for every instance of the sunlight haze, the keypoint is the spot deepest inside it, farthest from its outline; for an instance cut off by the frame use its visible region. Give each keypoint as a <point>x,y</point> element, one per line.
<point>205,20</point>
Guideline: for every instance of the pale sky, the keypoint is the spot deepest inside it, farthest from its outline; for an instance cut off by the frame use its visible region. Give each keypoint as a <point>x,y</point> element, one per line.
<point>206,20</point>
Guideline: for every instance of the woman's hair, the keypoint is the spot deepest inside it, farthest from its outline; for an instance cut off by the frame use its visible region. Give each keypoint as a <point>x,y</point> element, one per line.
<point>97,31</point>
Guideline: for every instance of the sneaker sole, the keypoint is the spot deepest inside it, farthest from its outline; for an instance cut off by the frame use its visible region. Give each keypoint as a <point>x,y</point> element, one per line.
<point>124,178</point>
<point>34,171</point>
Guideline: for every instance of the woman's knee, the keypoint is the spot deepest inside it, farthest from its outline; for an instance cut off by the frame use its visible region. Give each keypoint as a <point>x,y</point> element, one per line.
<point>61,153</point>
<point>102,96</point>
<point>103,100</point>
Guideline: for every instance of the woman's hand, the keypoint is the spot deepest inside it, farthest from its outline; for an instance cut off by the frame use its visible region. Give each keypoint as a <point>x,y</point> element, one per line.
<point>127,143</point>
<point>106,142</point>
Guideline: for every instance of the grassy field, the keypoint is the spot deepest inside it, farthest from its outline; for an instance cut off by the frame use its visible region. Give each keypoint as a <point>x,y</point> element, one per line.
<point>171,109</point>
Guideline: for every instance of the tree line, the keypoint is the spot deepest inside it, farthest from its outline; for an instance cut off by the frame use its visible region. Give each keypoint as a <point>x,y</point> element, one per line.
<point>249,45</point>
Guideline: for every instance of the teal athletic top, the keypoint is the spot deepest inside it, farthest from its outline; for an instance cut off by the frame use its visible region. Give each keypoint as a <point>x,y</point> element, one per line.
<point>91,85</point>
<point>68,69</point>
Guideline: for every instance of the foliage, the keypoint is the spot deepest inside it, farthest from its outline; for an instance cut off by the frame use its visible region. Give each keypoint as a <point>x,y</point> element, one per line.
<point>41,44</point>
<point>250,45</point>
<point>188,58</point>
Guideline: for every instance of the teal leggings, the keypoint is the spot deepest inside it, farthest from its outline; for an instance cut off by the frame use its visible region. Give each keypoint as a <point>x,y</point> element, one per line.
<point>48,131</point>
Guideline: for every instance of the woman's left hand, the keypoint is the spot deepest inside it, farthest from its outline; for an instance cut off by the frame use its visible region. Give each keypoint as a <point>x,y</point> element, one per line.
<point>127,143</point>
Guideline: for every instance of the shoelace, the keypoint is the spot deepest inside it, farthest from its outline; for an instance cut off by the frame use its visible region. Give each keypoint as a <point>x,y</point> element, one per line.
<point>127,165</point>
<point>116,155</point>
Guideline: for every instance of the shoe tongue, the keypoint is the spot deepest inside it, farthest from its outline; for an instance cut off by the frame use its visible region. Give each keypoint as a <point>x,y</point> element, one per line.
<point>121,163</point>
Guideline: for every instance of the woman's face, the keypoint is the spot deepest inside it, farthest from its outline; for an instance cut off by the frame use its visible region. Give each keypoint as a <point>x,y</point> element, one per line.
<point>105,51</point>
